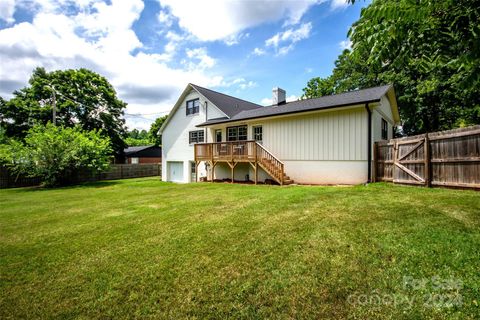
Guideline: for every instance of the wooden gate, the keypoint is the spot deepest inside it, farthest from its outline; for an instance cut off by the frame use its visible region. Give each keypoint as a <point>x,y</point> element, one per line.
<point>403,160</point>
<point>447,158</point>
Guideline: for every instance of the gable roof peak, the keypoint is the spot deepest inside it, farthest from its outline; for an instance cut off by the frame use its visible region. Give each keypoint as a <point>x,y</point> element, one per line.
<point>229,105</point>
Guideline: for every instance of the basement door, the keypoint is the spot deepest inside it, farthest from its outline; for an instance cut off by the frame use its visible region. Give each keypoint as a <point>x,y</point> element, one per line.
<point>175,171</point>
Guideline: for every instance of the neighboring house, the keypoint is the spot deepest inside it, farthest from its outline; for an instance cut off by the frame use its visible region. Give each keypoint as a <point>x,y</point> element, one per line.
<point>327,140</point>
<point>143,154</point>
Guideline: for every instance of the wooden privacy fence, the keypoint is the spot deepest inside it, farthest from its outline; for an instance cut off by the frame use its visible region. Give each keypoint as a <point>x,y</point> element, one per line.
<point>447,158</point>
<point>116,171</point>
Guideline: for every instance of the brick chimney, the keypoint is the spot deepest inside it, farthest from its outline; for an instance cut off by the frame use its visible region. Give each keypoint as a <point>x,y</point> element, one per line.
<point>279,96</point>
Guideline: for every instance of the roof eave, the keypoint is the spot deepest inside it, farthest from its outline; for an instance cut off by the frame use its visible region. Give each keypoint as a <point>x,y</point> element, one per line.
<point>392,98</point>
<point>175,107</point>
<point>206,124</point>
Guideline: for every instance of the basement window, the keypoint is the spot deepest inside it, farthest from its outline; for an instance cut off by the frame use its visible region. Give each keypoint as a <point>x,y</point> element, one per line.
<point>196,136</point>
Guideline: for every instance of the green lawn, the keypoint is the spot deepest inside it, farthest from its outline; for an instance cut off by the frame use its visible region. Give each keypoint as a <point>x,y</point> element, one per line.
<point>143,248</point>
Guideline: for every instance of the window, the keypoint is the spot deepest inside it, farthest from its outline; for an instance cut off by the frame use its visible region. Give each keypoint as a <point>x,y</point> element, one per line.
<point>196,136</point>
<point>384,129</point>
<point>257,133</point>
<point>218,135</point>
<point>237,133</point>
<point>134,160</point>
<point>193,106</point>
<point>193,171</point>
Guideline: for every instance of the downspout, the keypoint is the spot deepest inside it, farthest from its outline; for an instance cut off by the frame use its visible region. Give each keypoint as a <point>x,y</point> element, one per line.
<point>206,119</point>
<point>369,144</point>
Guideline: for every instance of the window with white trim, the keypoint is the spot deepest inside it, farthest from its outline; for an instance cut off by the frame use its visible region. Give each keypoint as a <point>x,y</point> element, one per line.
<point>196,136</point>
<point>257,133</point>
<point>193,106</point>
<point>237,133</point>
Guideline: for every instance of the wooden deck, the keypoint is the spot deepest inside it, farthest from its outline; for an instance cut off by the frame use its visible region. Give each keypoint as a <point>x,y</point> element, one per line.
<point>235,152</point>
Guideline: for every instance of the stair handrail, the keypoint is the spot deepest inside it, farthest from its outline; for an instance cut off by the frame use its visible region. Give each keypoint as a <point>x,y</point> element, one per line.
<point>268,151</point>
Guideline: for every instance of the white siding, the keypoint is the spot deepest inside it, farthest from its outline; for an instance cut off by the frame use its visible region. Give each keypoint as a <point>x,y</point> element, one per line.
<point>335,135</point>
<point>382,111</point>
<point>213,112</point>
<point>175,136</point>
<point>327,172</point>
<point>326,147</point>
<point>385,109</point>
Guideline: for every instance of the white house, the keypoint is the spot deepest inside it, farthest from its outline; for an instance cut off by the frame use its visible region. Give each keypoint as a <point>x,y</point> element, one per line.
<point>328,140</point>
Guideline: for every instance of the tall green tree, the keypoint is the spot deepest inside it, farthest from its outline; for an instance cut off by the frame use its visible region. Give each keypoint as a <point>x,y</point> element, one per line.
<point>155,136</point>
<point>81,97</point>
<point>138,138</point>
<point>430,51</point>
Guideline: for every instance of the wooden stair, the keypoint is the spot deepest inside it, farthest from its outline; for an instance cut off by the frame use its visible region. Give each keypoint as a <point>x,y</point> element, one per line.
<point>274,167</point>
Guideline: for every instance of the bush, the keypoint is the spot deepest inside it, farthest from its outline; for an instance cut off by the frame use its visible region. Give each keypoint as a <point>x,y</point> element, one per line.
<point>56,153</point>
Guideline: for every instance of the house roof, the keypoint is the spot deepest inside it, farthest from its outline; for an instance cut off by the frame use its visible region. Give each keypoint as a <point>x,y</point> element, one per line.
<point>229,105</point>
<point>132,150</point>
<point>326,102</point>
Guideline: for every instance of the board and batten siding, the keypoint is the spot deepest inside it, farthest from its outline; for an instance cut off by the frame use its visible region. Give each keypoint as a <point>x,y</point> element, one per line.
<point>328,147</point>
<point>334,135</point>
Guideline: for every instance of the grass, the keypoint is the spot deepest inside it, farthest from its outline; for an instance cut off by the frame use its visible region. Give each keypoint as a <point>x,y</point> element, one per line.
<point>143,248</point>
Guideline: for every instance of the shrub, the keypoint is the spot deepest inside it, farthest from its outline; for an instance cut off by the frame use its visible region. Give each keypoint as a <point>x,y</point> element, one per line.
<point>56,153</point>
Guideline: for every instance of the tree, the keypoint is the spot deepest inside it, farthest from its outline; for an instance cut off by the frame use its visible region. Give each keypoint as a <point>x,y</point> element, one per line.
<point>138,138</point>
<point>155,136</point>
<point>318,87</point>
<point>55,153</point>
<point>430,51</point>
<point>80,97</point>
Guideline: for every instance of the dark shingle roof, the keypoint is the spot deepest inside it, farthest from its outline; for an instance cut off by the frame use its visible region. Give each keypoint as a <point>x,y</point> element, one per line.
<point>131,150</point>
<point>229,105</point>
<point>338,100</point>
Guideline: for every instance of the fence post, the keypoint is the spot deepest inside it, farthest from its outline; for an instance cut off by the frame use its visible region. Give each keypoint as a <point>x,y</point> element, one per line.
<point>394,165</point>
<point>121,171</point>
<point>428,180</point>
<point>375,158</point>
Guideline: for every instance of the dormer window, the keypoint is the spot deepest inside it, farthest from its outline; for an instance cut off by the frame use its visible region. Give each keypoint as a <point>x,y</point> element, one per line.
<point>193,106</point>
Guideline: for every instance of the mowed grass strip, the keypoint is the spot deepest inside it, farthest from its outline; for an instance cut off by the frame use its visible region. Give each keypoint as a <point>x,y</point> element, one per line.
<point>144,248</point>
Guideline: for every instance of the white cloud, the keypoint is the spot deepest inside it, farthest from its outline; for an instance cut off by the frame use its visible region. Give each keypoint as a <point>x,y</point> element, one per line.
<point>239,83</point>
<point>269,101</point>
<point>199,59</point>
<point>338,4</point>
<point>285,41</point>
<point>100,38</point>
<point>345,44</point>
<point>220,19</point>
<point>165,18</point>
<point>259,52</point>
<point>235,38</point>
<point>247,85</point>
<point>7,9</point>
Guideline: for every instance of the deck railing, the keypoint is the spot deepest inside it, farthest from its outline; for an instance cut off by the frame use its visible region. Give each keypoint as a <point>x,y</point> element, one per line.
<point>241,151</point>
<point>270,163</point>
<point>226,151</point>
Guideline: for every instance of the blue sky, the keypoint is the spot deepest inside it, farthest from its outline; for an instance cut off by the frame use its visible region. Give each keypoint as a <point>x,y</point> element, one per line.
<point>149,50</point>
